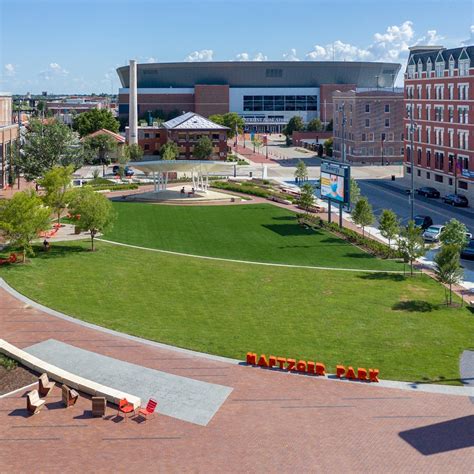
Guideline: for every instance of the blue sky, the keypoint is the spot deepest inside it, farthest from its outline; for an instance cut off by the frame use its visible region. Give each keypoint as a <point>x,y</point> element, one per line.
<point>67,46</point>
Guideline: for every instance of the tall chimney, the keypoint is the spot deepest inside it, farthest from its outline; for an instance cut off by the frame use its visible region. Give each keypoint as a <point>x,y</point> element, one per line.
<point>133,109</point>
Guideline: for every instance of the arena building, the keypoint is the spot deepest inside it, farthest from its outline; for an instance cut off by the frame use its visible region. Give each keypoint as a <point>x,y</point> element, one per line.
<point>266,94</point>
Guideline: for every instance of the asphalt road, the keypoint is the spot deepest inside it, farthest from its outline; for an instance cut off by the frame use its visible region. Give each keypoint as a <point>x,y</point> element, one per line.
<point>383,194</point>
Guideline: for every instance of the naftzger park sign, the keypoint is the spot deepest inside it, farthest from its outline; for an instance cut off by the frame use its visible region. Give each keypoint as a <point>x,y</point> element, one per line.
<point>309,367</point>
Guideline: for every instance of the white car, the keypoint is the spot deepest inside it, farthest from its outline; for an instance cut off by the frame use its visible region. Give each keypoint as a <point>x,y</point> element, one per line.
<point>433,232</point>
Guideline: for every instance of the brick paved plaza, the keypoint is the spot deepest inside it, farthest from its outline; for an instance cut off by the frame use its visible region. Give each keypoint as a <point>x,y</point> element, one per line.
<point>272,422</point>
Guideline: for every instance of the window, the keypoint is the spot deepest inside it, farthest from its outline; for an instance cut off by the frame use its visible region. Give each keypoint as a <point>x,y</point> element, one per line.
<point>387,122</point>
<point>367,107</point>
<point>418,157</point>
<point>428,112</point>
<point>411,71</point>
<point>428,175</point>
<point>364,137</point>
<point>408,169</point>
<point>439,69</point>
<point>146,147</point>
<point>438,178</point>
<point>419,111</point>
<point>367,122</point>
<point>428,92</point>
<point>419,67</point>
<point>450,163</point>
<point>382,137</point>
<point>451,91</point>
<point>428,158</point>
<point>418,172</point>
<point>451,66</point>
<point>429,67</point>
<point>450,181</point>
<point>147,135</point>
<point>451,113</point>
<point>462,184</point>
<point>274,73</point>
<point>418,95</point>
<point>157,135</point>
<point>387,107</point>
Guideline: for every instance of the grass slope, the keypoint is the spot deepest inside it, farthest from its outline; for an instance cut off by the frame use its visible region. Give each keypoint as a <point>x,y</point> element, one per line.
<point>367,320</point>
<point>257,232</point>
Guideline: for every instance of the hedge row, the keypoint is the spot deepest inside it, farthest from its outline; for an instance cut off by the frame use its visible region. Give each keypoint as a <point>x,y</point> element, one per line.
<point>372,246</point>
<point>253,189</point>
<point>114,187</point>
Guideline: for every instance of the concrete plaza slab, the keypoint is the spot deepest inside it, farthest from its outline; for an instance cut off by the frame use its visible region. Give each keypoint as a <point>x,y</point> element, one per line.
<point>179,397</point>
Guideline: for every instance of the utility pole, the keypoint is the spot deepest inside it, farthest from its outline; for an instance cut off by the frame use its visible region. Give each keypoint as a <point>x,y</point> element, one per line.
<point>412,129</point>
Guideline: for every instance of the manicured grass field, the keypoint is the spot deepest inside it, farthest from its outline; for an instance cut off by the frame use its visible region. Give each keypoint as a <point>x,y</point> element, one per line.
<point>368,320</point>
<point>253,232</point>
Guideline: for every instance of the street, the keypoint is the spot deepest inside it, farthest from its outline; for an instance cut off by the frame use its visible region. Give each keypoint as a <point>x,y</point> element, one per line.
<point>384,194</point>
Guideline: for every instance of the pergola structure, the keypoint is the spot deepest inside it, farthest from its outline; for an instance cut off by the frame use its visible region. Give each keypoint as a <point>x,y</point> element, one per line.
<point>198,169</point>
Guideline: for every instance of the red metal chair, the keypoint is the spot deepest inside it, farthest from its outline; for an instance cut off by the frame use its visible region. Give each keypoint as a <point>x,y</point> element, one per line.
<point>149,410</point>
<point>125,407</point>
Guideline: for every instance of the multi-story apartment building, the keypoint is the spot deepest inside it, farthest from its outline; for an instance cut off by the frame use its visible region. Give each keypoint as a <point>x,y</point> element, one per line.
<point>371,123</point>
<point>439,102</point>
<point>9,133</point>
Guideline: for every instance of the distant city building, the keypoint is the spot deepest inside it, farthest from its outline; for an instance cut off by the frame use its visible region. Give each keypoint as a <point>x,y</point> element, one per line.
<point>9,133</point>
<point>65,109</point>
<point>266,94</point>
<point>372,123</point>
<point>439,101</point>
<point>185,131</point>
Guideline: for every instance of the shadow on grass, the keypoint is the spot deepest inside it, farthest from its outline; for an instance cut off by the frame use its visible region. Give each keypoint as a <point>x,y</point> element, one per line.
<point>288,229</point>
<point>360,255</point>
<point>284,218</point>
<point>414,306</point>
<point>383,276</point>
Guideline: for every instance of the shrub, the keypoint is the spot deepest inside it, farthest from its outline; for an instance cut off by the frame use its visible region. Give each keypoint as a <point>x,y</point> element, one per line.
<point>114,187</point>
<point>7,363</point>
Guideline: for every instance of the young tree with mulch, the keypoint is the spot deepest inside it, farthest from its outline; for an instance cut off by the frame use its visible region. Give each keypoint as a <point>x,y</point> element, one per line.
<point>448,269</point>
<point>411,244</point>
<point>362,214</point>
<point>389,226</point>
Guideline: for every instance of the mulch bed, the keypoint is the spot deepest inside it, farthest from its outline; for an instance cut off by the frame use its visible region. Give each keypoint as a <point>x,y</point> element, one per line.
<point>14,379</point>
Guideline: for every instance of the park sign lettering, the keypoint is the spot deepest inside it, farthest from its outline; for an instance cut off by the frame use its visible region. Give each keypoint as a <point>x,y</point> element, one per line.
<point>309,367</point>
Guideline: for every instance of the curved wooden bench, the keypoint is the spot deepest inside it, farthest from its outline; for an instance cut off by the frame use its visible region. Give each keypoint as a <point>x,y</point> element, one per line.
<point>62,376</point>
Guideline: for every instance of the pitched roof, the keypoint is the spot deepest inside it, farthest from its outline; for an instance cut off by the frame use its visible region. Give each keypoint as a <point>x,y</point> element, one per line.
<point>191,120</point>
<point>118,138</point>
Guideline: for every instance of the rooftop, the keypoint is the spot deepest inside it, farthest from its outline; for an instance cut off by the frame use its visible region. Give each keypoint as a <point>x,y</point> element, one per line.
<point>191,120</point>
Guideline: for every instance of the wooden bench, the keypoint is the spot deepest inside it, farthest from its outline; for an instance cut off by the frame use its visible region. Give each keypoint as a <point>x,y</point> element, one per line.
<point>62,376</point>
<point>34,402</point>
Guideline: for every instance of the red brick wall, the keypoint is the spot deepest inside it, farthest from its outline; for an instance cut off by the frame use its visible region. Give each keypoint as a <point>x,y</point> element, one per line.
<point>326,101</point>
<point>211,99</point>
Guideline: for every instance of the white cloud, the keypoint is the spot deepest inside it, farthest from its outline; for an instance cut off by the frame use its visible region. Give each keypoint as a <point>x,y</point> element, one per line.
<point>246,57</point>
<point>203,55</point>
<point>10,70</point>
<point>339,51</point>
<point>53,70</point>
<point>469,41</point>
<point>151,59</point>
<point>290,55</point>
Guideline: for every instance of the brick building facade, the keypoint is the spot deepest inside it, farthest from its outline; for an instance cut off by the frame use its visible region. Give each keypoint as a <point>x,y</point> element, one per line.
<point>372,123</point>
<point>439,106</point>
<point>9,133</point>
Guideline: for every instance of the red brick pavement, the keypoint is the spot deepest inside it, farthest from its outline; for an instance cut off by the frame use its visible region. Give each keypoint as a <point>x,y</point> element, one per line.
<point>271,422</point>
<point>251,155</point>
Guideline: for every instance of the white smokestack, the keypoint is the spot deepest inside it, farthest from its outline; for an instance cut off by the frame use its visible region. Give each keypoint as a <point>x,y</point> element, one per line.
<point>133,108</point>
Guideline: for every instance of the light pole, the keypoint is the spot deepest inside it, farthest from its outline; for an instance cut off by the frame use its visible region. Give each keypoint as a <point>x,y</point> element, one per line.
<point>412,129</point>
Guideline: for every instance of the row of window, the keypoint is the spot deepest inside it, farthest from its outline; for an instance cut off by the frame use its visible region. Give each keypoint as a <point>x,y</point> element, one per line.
<point>463,92</point>
<point>253,103</point>
<point>461,142</point>
<point>367,107</point>
<point>440,66</point>
<point>368,137</point>
<point>437,160</point>
<point>370,151</point>
<point>440,178</point>
<point>462,115</point>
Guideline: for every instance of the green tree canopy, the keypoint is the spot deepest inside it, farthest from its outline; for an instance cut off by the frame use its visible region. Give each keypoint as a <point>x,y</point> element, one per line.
<point>411,244</point>
<point>95,211</point>
<point>389,225</point>
<point>306,199</point>
<point>203,148</point>
<point>329,126</point>
<point>295,124</point>
<point>93,120</point>
<point>328,147</point>
<point>56,183</point>
<point>447,268</point>
<point>132,152</point>
<point>362,214</point>
<point>22,218</point>
<point>315,125</point>
<point>48,145</point>
<point>232,120</point>
<point>455,233</point>
<point>99,147</point>
<point>354,192</point>
<point>169,151</point>
<point>301,172</point>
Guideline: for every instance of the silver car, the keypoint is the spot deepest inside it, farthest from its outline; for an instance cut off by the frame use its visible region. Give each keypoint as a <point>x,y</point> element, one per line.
<point>433,232</point>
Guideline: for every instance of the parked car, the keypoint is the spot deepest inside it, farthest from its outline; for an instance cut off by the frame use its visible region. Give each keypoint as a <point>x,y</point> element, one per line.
<point>423,222</point>
<point>115,169</point>
<point>468,251</point>
<point>129,171</point>
<point>428,192</point>
<point>456,200</point>
<point>433,233</point>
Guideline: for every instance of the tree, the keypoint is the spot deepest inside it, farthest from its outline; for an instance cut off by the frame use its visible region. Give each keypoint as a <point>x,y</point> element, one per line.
<point>314,125</point>
<point>93,120</point>
<point>301,172</point>
<point>132,152</point>
<point>362,214</point>
<point>99,147</point>
<point>411,244</point>
<point>95,211</point>
<point>447,268</point>
<point>48,145</point>
<point>328,147</point>
<point>329,126</point>
<point>354,192</point>
<point>169,151</point>
<point>454,233</point>
<point>22,218</point>
<point>388,225</point>
<point>56,183</point>
<point>295,124</point>
<point>232,120</point>
<point>257,142</point>
<point>306,199</point>
<point>203,148</point>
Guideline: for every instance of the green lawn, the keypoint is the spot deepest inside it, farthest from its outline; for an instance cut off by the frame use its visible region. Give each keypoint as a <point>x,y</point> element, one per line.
<point>256,232</point>
<point>225,308</point>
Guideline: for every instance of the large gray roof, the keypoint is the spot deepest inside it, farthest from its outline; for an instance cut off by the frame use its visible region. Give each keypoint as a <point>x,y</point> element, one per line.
<point>262,74</point>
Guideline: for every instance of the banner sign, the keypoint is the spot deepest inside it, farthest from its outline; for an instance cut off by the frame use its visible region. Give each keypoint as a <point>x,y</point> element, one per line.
<point>310,367</point>
<point>335,182</point>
